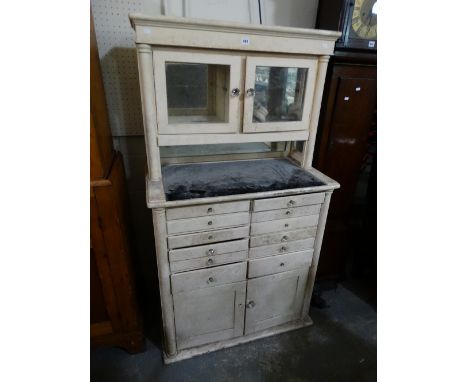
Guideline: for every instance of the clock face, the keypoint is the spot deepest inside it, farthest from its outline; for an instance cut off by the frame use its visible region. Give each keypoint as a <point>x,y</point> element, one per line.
<point>364,20</point>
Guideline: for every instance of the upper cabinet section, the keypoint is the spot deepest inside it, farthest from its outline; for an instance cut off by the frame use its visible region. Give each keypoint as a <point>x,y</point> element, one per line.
<point>230,82</point>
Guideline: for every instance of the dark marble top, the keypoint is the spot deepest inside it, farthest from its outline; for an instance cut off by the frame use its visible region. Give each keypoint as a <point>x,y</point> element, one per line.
<point>201,180</point>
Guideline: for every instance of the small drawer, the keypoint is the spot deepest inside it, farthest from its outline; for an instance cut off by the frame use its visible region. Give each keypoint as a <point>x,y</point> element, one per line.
<point>288,202</point>
<point>280,263</point>
<point>200,238</point>
<point>207,210</point>
<point>283,224</point>
<point>208,250</point>
<point>207,223</point>
<point>205,278</point>
<point>208,261</point>
<point>285,213</point>
<point>279,249</point>
<point>282,237</point>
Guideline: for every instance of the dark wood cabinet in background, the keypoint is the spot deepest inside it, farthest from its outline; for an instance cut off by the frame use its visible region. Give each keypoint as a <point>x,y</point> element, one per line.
<point>346,127</point>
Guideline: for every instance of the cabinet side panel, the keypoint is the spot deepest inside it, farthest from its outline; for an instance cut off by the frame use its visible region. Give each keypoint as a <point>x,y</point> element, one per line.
<point>167,307</point>
<point>315,259</point>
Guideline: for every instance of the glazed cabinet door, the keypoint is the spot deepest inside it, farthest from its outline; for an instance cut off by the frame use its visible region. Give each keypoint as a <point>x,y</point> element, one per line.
<point>197,92</point>
<point>209,314</point>
<point>274,300</point>
<point>278,95</point>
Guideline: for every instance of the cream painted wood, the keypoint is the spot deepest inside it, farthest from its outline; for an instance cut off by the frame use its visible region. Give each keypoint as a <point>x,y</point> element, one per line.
<point>316,104</point>
<point>274,300</point>
<point>159,224</point>
<point>148,102</point>
<point>282,237</point>
<point>203,293</point>
<point>161,57</point>
<point>207,210</point>
<point>207,278</point>
<point>209,315</point>
<point>283,225</point>
<point>200,238</point>
<point>281,248</point>
<point>279,263</point>
<point>258,127</point>
<point>285,213</point>
<point>288,202</point>
<point>193,33</point>
<point>205,139</point>
<point>317,248</point>
<point>205,223</point>
<point>208,250</point>
<point>208,261</point>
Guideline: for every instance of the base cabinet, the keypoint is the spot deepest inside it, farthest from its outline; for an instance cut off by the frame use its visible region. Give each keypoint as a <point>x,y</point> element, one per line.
<point>227,289</point>
<point>209,314</point>
<point>274,300</point>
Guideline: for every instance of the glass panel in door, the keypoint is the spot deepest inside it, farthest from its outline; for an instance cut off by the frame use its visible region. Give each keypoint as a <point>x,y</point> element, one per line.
<point>279,94</point>
<point>197,93</point>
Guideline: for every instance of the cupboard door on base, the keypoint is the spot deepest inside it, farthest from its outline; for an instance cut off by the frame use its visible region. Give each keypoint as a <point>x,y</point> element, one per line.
<point>274,300</point>
<point>209,314</point>
<point>197,92</point>
<point>278,95</point>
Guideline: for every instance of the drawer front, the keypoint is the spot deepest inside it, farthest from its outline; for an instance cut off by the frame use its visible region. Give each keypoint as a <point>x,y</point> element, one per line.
<point>288,202</point>
<point>207,210</point>
<point>280,263</point>
<point>208,250</point>
<point>205,278</point>
<point>208,261</point>
<point>279,249</point>
<point>284,213</point>
<point>284,224</point>
<point>207,223</point>
<point>200,238</point>
<point>282,237</point>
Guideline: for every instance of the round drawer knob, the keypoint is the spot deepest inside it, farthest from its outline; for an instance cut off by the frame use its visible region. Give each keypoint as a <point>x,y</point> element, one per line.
<point>288,212</point>
<point>286,225</point>
<point>210,262</point>
<point>210,222</point>
<point>291,202</point>
<point>250,92</point>
<point>283,249</point>
<point>210,237</point>
<point>211,280</point>
<point>209,210</point>
<point>251,304</point>
<point>282,265</point>
<point>235,92</point>
<point>211,252</point>
<point>284,238</point>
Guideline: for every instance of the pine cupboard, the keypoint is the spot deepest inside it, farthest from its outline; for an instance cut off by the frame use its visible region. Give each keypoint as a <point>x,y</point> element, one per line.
<point>230,115</point>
